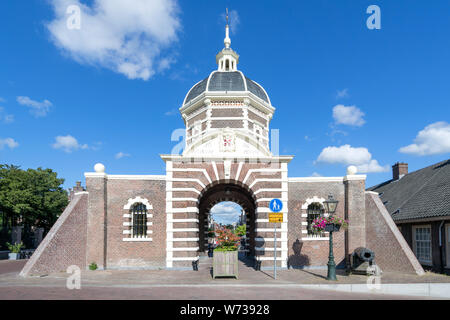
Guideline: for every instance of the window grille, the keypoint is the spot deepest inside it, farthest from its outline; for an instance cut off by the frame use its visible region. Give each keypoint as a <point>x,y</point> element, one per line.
<point>139,221</point>
<point>315,210</point>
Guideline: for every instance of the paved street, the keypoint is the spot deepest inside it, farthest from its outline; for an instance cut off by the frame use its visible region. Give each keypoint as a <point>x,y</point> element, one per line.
<point>188,284</point>
<point>185,293</point>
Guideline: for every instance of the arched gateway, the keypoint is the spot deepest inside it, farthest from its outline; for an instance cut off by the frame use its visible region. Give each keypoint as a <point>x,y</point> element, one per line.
<point>226,157</point>
<point>227,191</point>
<point>148,221</point>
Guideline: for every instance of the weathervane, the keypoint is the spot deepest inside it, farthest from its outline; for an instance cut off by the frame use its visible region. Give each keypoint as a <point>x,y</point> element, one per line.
<point>227,39</point>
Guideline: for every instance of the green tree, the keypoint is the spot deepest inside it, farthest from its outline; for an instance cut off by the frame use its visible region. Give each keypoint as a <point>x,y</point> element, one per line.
<point>33,197</point>
<point>241,230</point>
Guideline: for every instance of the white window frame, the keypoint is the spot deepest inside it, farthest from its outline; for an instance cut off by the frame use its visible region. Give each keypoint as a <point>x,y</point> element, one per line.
<point>414,230</point>
<point>129,219</point>
<point>306,204</point>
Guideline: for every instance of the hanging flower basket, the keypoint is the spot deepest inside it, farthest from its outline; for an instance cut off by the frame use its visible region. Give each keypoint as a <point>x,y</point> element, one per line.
<point>332,227</point>
<point>328,224</point>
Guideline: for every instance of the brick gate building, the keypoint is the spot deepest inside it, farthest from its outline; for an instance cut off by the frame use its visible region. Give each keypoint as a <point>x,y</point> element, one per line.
<point>150,222</point>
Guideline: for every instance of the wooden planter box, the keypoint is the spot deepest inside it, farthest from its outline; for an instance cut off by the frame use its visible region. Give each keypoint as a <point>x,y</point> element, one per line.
<point>225,264</point>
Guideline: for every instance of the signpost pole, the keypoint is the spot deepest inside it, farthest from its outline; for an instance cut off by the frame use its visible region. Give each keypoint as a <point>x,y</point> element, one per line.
<point>275,254</point>
<point>275,206</point>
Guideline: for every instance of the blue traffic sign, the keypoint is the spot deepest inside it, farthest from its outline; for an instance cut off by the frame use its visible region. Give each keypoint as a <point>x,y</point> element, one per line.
<point>275,205</point>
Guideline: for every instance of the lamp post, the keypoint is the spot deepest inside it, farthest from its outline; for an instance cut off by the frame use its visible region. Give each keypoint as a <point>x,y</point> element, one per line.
<point>330,207</point>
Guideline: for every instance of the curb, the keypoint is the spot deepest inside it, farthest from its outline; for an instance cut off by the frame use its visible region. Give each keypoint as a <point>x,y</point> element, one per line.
<point>432,290</point>
<point>435,290</point>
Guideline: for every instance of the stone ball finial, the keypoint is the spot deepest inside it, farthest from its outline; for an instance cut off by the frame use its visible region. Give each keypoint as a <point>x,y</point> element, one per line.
<point>99,168</point>
<point>351,170</point>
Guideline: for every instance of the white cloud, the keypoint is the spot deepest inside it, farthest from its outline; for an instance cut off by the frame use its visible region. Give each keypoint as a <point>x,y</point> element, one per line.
<point>433,139</point>
<point>9,118</point>
<point>121,155</point>
<point>2,100</point>
<point>172,112</point>
<point>347,155</point>
<point>4,117</point>
<point>38,109</point>
<point>68,144</point>
<point>234,21</point>
<point>350,115</point>
<point>315,174</point>
<point>8,142</point>
<point>226,212</point>
<point>372,166</point>
<point>342,93</point>
<point>124,36</point>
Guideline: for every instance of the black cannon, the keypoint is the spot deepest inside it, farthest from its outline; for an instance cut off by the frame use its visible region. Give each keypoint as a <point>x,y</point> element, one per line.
<point>364,254</point>
<point>363,261</point>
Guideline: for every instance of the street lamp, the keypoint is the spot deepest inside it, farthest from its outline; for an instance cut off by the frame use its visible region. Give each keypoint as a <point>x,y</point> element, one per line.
<point>330,207</point>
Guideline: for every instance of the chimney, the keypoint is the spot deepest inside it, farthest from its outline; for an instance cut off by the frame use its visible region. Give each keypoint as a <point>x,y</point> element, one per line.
<point>399,170</point>
<point>78,187</point>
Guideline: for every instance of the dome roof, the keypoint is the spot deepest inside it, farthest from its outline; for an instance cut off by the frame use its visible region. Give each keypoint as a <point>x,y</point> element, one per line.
<point>226,81</point>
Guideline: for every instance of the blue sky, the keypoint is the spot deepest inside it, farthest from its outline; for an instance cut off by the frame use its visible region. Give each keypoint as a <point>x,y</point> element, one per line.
<point>344,94</point>
<point>226,212</point>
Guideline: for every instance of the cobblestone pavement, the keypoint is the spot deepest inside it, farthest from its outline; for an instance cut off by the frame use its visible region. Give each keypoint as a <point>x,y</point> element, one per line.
<point>184,293</point>
<point>179,284</point>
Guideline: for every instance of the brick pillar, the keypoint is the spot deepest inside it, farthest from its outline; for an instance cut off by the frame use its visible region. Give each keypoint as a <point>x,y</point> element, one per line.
<point>355,212</point>
<point>96,221</point>
<point>169,215</point>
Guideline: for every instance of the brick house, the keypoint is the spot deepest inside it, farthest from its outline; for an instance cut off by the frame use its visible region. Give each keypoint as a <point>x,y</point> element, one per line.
<point>419,203</point>
<point>161,221</point>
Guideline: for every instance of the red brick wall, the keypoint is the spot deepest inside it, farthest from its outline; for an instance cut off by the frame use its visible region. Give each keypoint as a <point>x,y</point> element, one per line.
<point>65,244</point>
<point>122,254</point>
<point>313,253</point>
<point>392,252</point>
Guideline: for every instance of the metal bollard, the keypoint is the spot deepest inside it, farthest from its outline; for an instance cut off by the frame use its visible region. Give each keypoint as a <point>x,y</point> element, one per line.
<point>195,265</point>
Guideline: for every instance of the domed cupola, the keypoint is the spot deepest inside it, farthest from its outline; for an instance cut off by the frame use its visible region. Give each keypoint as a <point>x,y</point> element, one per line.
<point>227,113</point>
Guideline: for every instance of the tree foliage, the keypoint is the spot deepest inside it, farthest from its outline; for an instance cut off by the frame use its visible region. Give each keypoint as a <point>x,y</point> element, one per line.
<point>241,230</point>
<point>32,197</point>
<point>227,240</point>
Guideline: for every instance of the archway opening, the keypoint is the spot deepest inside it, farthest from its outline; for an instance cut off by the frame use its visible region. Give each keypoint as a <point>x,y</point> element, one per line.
<point>229,205</point>
<point>229,215</point>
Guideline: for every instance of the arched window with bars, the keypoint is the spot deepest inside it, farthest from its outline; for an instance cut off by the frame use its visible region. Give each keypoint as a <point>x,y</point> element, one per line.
<point>138,221</point>
<point>315,210</point>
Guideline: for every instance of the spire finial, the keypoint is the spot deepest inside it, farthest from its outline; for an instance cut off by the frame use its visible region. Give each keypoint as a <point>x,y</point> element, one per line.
<point>227,40</point>
<point>227,16</point>
<point>227,59</point>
